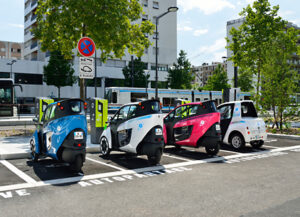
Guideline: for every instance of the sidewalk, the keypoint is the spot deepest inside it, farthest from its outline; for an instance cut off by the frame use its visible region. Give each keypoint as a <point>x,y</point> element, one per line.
<point>18,147</point>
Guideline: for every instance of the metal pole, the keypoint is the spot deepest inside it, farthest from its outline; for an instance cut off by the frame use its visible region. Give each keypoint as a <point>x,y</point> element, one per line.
<point>132,71</point>
<point>95,79</point>
<point>156,60</point>
<point>11,70</point>
<point>235,76</point>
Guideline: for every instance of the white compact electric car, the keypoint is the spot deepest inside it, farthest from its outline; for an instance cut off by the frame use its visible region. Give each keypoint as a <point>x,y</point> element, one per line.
<point>240,124</point>
<point>136,128</point>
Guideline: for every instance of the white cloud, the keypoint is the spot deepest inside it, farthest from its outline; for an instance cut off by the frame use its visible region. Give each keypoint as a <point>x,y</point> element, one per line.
<point>217,50</point>
<point>21,26</point>
<point>183,28</point>
<point>250,1</point>
<point>199,32</point>
<point>285,13</point>
<point>207,7</point>
<point>218,56</point>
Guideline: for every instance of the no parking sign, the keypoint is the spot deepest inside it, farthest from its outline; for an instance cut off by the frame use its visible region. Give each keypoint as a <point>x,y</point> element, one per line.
<point>86,47</point>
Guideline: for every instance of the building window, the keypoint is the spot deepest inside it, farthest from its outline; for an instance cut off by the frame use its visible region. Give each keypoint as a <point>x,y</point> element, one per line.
<point>154,20</point>
<point>12,50</point>
<point>115,63</point>
<point>2,49</point>
<point>159,67</point>
<point>155,5</point>
<point>144,17</point>
<point>145,3</point>
<point>146,51</point>
<point>4,75</point>
<point>156,35</point>
<point>22,78</point>
<point>155,50</point>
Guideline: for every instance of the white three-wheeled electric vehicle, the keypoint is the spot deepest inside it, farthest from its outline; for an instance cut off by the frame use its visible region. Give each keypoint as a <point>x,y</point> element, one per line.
<point>240,124</point>
<point>135,128</point>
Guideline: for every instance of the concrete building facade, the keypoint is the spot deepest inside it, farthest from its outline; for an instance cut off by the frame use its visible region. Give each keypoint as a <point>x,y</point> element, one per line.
<point>202,73</point>
<point>230,67</point>
<point>112,68</point>
<point>11,50</point>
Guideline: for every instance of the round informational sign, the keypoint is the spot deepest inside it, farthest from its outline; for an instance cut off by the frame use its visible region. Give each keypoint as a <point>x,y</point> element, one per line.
<point>86,47</point>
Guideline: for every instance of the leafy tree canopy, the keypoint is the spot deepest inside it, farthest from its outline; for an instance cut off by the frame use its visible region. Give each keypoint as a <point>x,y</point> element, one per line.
<point>109,23</point>
<point>59,71</point>
<point>218,81</point>
<point>140,78</point>
<point>180,76</point>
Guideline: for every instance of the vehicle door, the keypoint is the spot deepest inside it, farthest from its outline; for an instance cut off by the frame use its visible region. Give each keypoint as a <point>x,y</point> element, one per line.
<point>45,130</point>
<point>226,112</point>
<point>175,116</point>
<point>119,118</point>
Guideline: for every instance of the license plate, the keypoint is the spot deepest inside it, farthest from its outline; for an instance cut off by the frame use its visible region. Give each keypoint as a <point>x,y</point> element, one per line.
<point>158,131</point>
<point>218,127</point>
<point>78,135</point>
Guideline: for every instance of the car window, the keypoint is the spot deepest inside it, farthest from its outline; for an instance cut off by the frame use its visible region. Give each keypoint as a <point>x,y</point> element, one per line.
<point>123,113</point>
<point>52,112</point>
<point>181,112</point>
<point>75,106</point>
<point>132,111</point>
<point>226,112</point>
<point>248,110</point>
<point>47,114</point>
<point>192,109</point>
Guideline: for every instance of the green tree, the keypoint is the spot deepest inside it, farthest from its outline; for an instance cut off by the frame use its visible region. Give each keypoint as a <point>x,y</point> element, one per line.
<point>181,76</point>
<point>109,23</point>
<point>245,80</point>
<point>218,81</point>
<point>139,77</point>
<point>280,81</point>
<point>59,72</point>
<point>251,40</point>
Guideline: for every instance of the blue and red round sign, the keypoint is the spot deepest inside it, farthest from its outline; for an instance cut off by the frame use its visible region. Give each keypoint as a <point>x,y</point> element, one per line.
<point>86,47</point>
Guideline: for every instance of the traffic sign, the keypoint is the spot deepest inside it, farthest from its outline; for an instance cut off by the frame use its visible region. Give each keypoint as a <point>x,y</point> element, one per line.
<point>86,68</point>
<point>86,47</point>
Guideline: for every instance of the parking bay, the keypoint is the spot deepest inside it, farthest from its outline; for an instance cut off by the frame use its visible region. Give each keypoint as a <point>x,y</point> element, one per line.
<point>24,170</point>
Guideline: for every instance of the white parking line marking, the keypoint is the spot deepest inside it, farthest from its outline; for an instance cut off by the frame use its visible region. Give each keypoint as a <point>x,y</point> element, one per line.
<point>140,170</point>
<point>18,172</point>
<point>272,140</point>
<point>175,157</point>
<point>269,146</point>
<point>99,162</point>
<point>233,152</point>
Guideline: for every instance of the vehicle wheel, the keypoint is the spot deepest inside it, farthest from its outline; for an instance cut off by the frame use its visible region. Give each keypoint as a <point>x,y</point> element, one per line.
<point>237,141</point>
<point>257,144</point>
<point>213,150</point>
<point>178,147</point>
<point>104,147</point>
<point>77,164</point>
<point>155,159</point>
<point>34,155</point>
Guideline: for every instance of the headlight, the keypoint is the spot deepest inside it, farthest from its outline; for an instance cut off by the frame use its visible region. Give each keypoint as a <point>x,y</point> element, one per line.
<point>158,131</point>
<point>78,135</point>
<point>49,140</point>
<point>218,128</point>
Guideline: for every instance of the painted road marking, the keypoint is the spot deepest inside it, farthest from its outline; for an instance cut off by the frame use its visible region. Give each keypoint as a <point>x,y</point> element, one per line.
<point>106,164</point>
<point>271,140</point>
<point>269,146</point>
<point>140,170</point>
<point>18,172</point>
<point>233,152</point>
<point>175,157</point>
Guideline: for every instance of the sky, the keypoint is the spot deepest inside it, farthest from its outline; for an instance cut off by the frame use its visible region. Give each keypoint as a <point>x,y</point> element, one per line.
<point>201,24</point>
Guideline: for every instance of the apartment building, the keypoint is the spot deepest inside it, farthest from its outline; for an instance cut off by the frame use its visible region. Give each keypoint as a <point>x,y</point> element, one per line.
<point>111,70</point>
<point>202,73</point>
<point>11,50</point>
<point>230,67</point>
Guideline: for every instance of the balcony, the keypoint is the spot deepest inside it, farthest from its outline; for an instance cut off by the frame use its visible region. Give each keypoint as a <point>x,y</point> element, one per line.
<point>33,17</point>
<point>33,45</point>
<point>33,3</point>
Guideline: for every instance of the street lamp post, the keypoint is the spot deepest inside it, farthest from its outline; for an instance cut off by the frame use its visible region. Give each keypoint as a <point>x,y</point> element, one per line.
<point>170,9</point>
<point>10,64</point>
<point>147,73</point>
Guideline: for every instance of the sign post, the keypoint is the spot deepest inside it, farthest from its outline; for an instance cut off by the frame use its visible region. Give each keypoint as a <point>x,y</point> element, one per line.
<point>86,47</point>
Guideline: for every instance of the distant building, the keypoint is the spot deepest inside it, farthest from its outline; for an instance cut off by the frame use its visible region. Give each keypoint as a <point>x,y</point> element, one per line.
<point>11,50</point>
<point>202,73</point>
<point>230,67</point>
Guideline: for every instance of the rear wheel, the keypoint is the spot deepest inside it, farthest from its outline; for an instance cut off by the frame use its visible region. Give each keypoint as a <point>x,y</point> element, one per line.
<point>34,155</point>
<point>104,147</point>
<point>237,141</point>
<point>155,159</point>
<point>257,144</point>
<point>212,150</point>
<point>77,164</point>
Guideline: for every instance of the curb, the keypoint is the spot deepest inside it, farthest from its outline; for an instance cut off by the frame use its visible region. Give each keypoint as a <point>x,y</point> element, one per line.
<point>283,136</point>
<point>22,155</point>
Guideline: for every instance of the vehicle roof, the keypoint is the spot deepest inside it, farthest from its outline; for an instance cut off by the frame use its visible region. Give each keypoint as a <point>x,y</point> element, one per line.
<point>234,102</point>
<point>65,100</point>
<point>136,103</point>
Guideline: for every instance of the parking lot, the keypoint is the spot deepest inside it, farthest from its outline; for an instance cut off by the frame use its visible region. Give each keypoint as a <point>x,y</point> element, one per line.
<point>21,179</point>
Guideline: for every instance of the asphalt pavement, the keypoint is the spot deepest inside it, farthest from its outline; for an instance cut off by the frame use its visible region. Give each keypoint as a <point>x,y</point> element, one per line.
<point>188,182</point>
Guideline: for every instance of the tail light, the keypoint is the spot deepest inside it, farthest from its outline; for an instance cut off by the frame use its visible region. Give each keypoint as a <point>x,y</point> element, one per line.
<point>85,105</point>
<point>61,108</point>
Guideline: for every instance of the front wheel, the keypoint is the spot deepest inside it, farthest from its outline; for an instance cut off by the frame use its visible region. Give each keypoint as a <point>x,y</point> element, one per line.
<point>257,144</point>
<point>104,147</point>
<point>212,150</point>
<point>155,159</point>
<point>77,164</point>
<point>34,155</point>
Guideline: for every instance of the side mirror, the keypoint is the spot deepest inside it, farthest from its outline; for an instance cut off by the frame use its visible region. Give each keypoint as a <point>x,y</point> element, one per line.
<point>35,120</point>
<point>108,120</point>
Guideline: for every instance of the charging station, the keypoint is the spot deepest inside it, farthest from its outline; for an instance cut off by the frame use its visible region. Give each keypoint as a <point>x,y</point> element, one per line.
<point>41,104</point>
<point>98,118</point>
